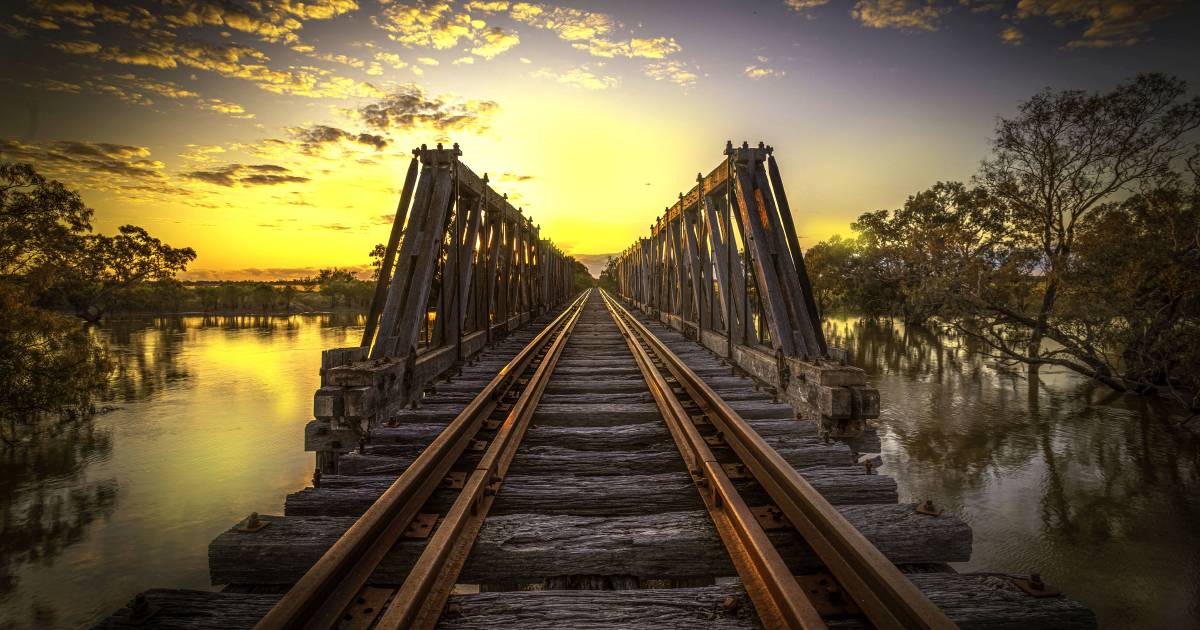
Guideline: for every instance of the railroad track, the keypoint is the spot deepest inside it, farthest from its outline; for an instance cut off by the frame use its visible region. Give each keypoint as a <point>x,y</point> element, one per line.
<point>702,426</point>
<point>597,471</point>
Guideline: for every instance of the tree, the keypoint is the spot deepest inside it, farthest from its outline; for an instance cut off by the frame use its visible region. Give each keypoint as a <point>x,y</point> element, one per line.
<point>1054,166</point>
<point>832,266</point>
<point>608,275</point>
<point>103,267</point>
<point>49,366</point>
<point>288,295</point>
<point>1132,297</point>
<point>377,253</point>
<point>581,278</point>
<point>209,297</point>
<point>40,221</point>
<point>263,295</point>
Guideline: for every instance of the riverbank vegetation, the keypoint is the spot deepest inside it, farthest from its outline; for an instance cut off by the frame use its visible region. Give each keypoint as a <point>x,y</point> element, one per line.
<point>50,364</point>
<point>1076,245</point>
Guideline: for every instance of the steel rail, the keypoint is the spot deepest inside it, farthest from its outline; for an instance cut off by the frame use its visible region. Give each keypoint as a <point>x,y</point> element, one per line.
<point>420,601</point>
<point>321,596</point>
<point>778,597</point>
<point>878,588</point>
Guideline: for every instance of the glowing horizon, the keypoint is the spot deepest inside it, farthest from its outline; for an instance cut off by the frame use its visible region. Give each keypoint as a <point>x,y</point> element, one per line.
<point>273,137</point>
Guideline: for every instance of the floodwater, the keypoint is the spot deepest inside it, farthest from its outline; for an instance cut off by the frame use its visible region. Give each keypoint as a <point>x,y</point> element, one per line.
<point>208,428</point>
<point>1097,492</point>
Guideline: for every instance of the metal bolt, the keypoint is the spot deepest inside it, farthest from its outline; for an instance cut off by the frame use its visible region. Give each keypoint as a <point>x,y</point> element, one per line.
<point>252,520</point>
<point>453,609</point>
<point>731,604</point>
<point>928,505</point>
<point>139,605</point>
<point>1035,580</point>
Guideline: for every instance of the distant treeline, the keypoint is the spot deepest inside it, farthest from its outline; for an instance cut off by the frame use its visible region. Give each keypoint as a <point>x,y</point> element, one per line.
<point>1076,245</point>
<point>332,289</point>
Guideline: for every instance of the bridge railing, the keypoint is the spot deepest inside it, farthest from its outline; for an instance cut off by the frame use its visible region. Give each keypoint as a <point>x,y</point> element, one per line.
<point>462,267</point>
<point>723,265</point>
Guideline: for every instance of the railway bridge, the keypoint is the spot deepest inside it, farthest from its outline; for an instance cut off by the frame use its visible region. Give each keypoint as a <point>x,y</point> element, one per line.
<point>679,449</point>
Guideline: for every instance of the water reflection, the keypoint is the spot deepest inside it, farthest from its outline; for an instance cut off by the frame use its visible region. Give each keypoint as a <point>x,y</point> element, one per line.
<point>1100,492</point>
<point>207,427</point>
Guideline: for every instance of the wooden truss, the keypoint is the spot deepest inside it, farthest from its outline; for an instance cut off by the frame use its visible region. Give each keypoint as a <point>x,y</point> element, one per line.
<point>724,266</point>
<point>462,267</point>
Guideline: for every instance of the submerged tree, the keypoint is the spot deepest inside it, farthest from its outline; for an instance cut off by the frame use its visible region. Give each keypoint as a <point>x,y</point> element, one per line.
<point>1054,166</point>
<point>49,364</point>
<point>1076,248</point>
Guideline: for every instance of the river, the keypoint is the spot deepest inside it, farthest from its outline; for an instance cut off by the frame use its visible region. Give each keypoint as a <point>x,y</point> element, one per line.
<point>1098,492</point>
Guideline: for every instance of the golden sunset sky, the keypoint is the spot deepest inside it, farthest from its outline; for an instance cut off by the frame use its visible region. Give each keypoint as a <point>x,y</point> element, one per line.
<point>272,135</point>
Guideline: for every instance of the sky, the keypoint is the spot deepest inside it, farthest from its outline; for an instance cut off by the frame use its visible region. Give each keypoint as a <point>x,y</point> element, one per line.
<point>273,135</point>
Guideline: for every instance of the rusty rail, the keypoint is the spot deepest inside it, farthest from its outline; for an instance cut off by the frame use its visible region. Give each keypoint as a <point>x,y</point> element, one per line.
<point>878,589</point>
<point>320,598</point>
<point>421,598</point>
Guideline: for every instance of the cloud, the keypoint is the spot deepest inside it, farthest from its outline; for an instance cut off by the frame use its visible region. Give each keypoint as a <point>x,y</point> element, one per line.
<point>487,6</point>
<point>134,89</point>
<point>569,24</point>
<point>437,25</point>
<point>493,41</point>
<point>804,6</point>
<point>1012,36</point>
<point>426,24</point>
<point>909,15</point>
<point>594,262</point>
<point>1108,24</point>
<point>77,47</point>
<point>410,107</point>
<point>163,88</point>
<point>201,152</point>
<point>581,77</point>
<point>672,71</point>
<point>655,48</point>
<point>223,107</point>
<point>463,60</point>
<point>590,31</point>
<point>314,137</point>
<point>163,50</point>
<point>81,158</point>
<point>51,14</point>
<point>246,175</point>
<point>269,20</point>
<point>761,71</point>
<point>514,177</point>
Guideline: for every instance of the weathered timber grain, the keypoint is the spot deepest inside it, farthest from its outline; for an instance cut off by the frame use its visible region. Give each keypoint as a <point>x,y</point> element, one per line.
<point>973,601</point>
<point>702,607</point>
<point>586,495</point>
<point>532,547</point>
<point>626,437</point>
<point>547,460</point>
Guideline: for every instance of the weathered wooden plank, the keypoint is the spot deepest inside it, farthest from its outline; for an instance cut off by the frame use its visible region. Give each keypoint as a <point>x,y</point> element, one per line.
<point>528,547</point>
<point>545,460</point>
<point>973,601</point>
<point>682,608</point>
<point>586,495</point>
<point>626,437</point>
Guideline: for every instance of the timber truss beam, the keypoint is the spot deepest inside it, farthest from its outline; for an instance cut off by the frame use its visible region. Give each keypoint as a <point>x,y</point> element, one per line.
<point>723,265</point>
<point>462,268</point>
